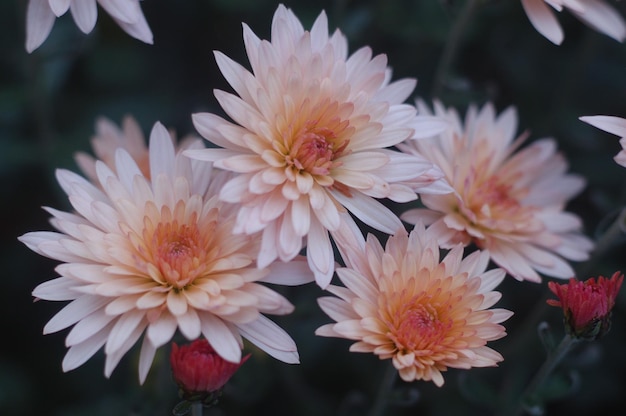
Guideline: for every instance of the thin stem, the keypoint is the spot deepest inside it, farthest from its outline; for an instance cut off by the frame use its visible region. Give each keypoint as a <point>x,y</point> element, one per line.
<point>546,369</point>
<point>451,46</point>
<point>196,408</point>
<point>384,391</point>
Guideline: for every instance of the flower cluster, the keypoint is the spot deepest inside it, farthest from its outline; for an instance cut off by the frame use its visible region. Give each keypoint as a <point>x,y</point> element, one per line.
<point>169,237</point>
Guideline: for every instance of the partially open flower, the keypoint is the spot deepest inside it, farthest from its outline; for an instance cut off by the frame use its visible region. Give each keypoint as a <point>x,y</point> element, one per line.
<point>199,371</point>
<point>587,305</point>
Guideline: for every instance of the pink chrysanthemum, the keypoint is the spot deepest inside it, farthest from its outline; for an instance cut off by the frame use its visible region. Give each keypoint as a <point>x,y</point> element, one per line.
<point>587,305</point>
<point>152,255</point>
<point>506,200</point>
<point>613,125</point>
<point>427,315</point>
<point>597,14</point>
<point>309,143</point>
<point>41,14</point>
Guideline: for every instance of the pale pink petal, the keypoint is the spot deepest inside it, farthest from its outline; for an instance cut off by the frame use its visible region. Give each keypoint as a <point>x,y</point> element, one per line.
<point>85,14</point>
<point>39,22</point>
<point>543,20</point>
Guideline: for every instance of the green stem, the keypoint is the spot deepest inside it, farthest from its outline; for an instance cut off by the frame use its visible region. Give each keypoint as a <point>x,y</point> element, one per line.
<point>384,391</point>
<point>607,240</point>
<point>546,369</point>
<point>451,46</point>
<point>196,408</point>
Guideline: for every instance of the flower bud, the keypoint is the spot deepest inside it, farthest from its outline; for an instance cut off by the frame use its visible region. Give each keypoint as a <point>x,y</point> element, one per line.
<point>587,305</point>
<point>199,371</point>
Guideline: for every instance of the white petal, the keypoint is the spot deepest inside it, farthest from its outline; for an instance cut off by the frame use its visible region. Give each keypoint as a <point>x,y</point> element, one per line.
<point>85,14</point>
<point>610,124</point>
<point>39,22</point>
<point>146,356</point>
<point>220,337</point>
<point>272,339</point>
<point>293,273</point>
<point>370,211</point>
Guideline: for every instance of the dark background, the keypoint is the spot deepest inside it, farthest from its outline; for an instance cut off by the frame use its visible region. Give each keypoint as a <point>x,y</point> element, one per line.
<point>50,99</point>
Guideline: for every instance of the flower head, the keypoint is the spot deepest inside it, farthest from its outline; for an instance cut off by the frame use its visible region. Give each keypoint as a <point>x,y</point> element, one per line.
<point>595,13</point>
<point>587,305</point>
<point>506,200</point>
<point>613,125</point>
<point>309,143</point>
<point>199,370</point>
<point>427,315</point>
<point>41,14</point>
<point>150,255</point>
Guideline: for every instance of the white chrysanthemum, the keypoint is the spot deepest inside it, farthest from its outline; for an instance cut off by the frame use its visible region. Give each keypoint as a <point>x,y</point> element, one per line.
<point>613,125</point>
<point>427,315</point>
<point>597,14</point>
<point>152,255</point>
<point>41,14</point>
<point>506,200</point>
<point>312,128</point>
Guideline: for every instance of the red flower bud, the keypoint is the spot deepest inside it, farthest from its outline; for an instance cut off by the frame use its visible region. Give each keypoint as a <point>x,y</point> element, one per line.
<point>587,305</point>
<point>199,371</point>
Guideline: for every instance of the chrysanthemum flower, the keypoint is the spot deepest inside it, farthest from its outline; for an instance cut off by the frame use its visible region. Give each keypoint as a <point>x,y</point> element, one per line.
<point>312,128</point>
<point>613,125</point>
<point>587,305</point>
<point>508,201</point>
<point>152,255</point>
<point>41,14</point>
<point>427,315</point>
<point>108,139</point>
<point>597,14</point>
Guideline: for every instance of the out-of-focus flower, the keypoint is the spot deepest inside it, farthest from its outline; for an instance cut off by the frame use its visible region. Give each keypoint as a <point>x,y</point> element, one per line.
<point>587,305</point>
<point>41,14</point>
<point>153,255</point>
<point>597,14</point>
<point>312,125</point>
<point>510,203</point>
<point>199,371</point>
<point>427,315</point>
<point>108,139</point>
<point>613,125</point>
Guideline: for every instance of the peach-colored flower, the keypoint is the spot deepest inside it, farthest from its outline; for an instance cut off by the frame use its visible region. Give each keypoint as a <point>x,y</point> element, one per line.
<point>587,305</point>
<point>108,139</point>
<point>506,200</point>
<point>309,143</point>
<point>41,14</point>
<point>597,14</point>
<point>613,125</point>
<point>152,255</point>
<point>427,315</point>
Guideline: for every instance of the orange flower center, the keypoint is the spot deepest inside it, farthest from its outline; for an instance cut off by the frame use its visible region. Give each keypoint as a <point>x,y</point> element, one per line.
<point>418,325</point>
<point>314,149</point>
<point>178,252</point>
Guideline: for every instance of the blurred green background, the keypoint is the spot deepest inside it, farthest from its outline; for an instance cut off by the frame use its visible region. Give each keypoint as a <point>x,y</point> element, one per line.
<point>50,99</point>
